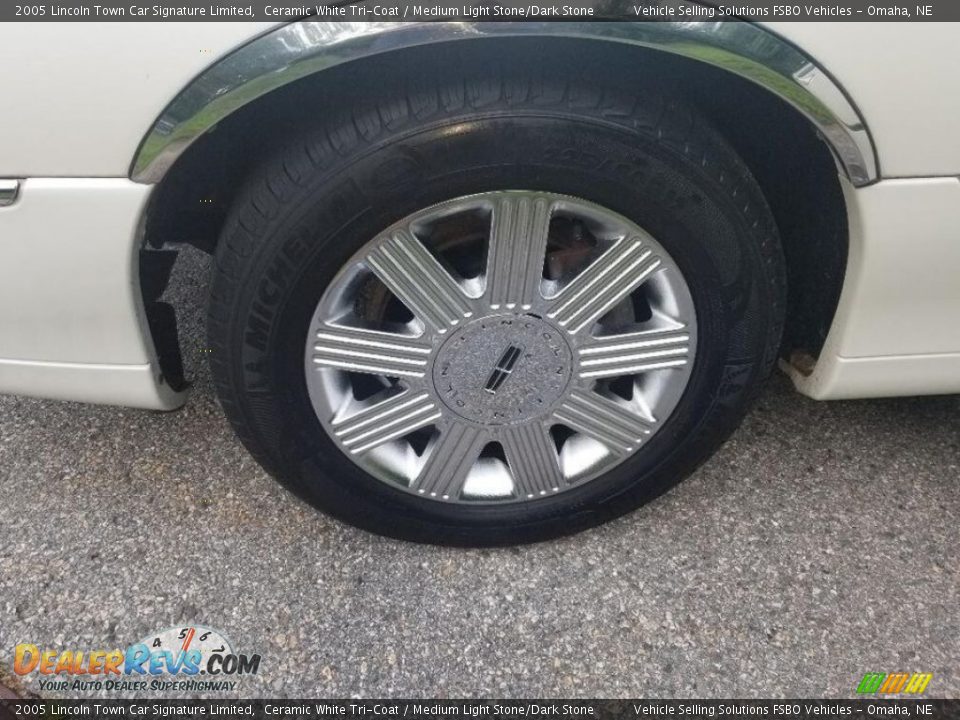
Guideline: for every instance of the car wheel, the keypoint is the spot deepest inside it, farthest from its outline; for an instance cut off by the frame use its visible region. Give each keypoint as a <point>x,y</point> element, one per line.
<point>487,311</point>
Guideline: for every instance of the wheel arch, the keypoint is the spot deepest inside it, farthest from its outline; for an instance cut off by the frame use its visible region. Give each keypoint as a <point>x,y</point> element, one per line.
<point>795,134</point>
<point>303,48</point>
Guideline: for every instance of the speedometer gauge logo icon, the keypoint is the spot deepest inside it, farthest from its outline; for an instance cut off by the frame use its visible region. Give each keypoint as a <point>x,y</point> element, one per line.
<point>189,650</point>
<point>182,640</point>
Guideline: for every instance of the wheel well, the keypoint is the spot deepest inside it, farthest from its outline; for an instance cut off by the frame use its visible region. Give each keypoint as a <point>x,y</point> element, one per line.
<point>793,166</point>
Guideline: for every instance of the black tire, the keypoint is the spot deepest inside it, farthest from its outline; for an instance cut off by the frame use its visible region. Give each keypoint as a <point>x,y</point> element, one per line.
<point>639,153</point>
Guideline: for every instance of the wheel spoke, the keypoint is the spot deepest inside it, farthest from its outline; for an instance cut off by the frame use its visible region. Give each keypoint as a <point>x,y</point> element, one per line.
<point>532,457</point>
<point>609,279</point>
<point>450,461</point>
<point>635,352</point>
<point>370,351</point>
<point>385,420</point>
<point>495,353</point>
<point>518,246</point>
<point>415,276</point>
<point>603,419</point>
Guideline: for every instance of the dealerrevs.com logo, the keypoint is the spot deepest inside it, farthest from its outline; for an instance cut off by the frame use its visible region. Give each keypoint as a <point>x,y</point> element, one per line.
<point>177,659</point>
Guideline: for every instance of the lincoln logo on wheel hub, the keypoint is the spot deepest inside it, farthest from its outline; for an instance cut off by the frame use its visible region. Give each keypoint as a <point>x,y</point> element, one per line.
<point>503,369</point>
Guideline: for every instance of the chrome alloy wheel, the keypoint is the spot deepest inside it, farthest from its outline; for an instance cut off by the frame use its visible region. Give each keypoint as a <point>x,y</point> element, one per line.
<point>500,347</point>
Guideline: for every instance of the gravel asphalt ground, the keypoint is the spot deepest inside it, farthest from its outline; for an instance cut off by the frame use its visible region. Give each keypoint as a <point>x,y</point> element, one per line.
<point>822,542</point>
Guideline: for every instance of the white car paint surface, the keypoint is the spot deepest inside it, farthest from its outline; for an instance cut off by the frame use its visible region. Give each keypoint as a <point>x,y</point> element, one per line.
<point>85,94</point>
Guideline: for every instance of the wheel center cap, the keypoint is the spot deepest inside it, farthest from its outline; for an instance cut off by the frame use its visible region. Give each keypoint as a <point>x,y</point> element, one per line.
<point>503,369</point>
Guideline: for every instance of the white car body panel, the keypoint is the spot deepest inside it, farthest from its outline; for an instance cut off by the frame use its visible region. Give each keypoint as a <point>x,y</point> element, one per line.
<point>79,305</point>
<point>897,326</point>
<point>129,385</point>
<point>85,94</point>
<point>903,78</point>
<point>69,297</point>
<point>71,325</point>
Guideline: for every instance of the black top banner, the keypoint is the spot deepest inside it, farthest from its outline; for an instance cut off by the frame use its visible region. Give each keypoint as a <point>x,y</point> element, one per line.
<point>495,11</point>
<point>492,709</point>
